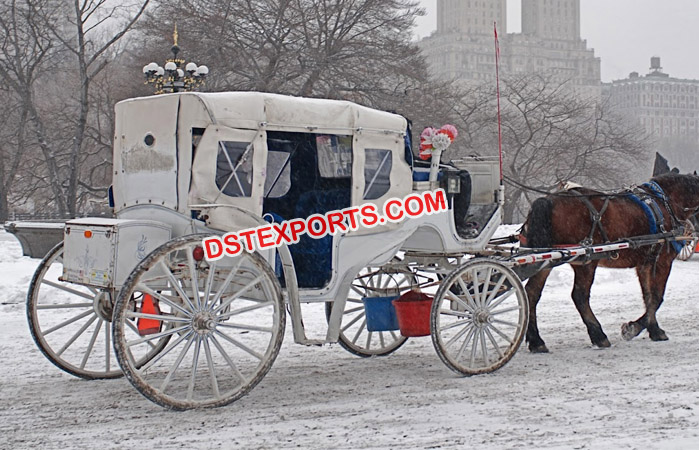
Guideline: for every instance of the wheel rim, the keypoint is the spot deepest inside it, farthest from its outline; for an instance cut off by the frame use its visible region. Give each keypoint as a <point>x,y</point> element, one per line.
<point>70,322</point>
<point>226,325</point>
<point>478,318</point>
<point>688,249</point>
<point>372,282</point>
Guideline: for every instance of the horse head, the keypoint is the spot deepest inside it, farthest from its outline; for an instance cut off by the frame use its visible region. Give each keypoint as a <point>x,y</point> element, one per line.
<point>682,191</point>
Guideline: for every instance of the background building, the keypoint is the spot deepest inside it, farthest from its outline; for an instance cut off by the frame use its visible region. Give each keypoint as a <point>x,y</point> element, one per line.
<point>462,47</point>
<point>666,108</point>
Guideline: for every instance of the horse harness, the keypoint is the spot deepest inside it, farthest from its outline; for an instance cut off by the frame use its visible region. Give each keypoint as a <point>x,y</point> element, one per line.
<point>645,196</point>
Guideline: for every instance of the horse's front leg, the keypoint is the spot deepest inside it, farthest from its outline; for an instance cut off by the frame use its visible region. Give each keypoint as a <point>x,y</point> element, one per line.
<point>584,277</point>
<point>653,282</point>
<point>534,287</point>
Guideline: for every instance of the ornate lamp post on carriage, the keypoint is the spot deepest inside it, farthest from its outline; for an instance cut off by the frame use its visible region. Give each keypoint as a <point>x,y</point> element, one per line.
<point>175,76</point>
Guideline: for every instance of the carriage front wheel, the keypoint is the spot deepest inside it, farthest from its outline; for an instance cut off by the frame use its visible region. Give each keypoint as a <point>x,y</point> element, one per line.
<point>479,317</point>
<point>225,318</point>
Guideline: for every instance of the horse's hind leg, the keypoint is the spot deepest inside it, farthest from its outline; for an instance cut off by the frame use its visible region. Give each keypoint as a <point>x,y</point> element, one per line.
<point>534,287</point>
<point>584,276</point>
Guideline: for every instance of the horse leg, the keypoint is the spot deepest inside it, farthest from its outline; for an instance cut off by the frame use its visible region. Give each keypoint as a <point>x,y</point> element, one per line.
<point>630,330</point>
<point>534,287</point>
<point>657,287</point>
<point>584,276</point>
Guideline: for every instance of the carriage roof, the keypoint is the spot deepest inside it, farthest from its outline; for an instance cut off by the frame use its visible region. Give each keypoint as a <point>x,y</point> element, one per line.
<point>254,109</point>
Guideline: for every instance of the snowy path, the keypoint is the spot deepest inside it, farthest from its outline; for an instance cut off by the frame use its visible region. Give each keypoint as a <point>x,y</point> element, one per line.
<point>637,394</point>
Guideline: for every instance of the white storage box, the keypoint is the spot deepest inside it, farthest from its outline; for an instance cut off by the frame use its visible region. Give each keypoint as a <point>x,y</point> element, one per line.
<point>103,252</point>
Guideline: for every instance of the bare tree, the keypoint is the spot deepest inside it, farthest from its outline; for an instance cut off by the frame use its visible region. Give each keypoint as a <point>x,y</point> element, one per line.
<point>550,136</point>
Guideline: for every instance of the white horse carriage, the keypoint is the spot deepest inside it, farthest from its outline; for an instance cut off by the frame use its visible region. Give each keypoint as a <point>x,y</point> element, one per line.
<point>189,332</point>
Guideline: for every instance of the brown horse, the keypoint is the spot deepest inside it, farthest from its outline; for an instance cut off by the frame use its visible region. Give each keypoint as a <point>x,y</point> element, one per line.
<point>582,215</point>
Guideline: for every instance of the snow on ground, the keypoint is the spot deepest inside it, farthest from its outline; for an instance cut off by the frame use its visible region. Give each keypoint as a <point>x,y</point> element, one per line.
<point>637,394</point>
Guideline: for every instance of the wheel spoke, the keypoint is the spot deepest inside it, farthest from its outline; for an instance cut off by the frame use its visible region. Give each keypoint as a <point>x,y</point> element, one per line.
<point>501,334</point>
<point>503,311</point>
<point>244,310</point>
<point>65,306</point>
<point>195,363</point>
<point>160,317</point>
<point>176,285</point>
<point>471,331</point>
<point>495,290</point>
<point>486,286</point>
<point>483,348</point>
<point>208,285</point>
<point>210,364</point>
<point>91,345</point>
<point>468,295</point>
<point>68,289</point>
<point>226,282</point>
<point>492,340</point>
<point>161,298</point>
<point>458,335</point>
<point>368,340</point>
<point>68,322</point>
<point>455,324</point>
<point>238,294</point>
<point>505,322</point>
<point>76,335</point>
<point>246,327</point>
<point>228,359</point>
<point>474,348</point>
<point>361,329</point>
<point>352,322</point>
<point>240,345</point>
<point>177,363</point>
<point>501,299</point>
<point>164,352</point>
<point>150,337</point>
<point>195,285</point>
<point>135,330</point>
<point>107,350</point>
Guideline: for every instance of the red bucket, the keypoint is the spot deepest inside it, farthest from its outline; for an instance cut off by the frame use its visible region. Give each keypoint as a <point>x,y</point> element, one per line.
<point>413,312</point>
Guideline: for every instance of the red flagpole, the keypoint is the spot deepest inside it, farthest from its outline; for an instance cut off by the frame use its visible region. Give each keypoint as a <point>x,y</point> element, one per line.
<point>497,80</point>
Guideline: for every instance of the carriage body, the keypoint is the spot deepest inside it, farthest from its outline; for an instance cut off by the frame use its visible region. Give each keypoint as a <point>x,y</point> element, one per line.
<point>189,165</point>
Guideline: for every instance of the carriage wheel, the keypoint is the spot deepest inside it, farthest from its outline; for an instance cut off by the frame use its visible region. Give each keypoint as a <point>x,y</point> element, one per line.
<point>371,282</point>
<point>690,246</point>
<point>70,322</point>
<point>226,319</point>
<point>479,317</point>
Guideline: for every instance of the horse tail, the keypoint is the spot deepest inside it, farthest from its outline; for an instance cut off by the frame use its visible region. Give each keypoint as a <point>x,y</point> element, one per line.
<point>539,224</point>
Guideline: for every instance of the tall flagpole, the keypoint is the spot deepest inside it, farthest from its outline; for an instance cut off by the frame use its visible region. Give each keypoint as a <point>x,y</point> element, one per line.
<point>497,80</point>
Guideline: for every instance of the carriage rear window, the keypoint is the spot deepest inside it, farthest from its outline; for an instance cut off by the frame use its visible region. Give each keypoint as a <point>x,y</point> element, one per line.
<point>234,168</point>
<point>377,173</point>
<point>334,156</point>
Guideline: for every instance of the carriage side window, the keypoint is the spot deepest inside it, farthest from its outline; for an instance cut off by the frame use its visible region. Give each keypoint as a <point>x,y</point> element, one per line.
<point>234,168</point>
<point>377,173</point>
<point>334,156</point>
<point>278,180</point>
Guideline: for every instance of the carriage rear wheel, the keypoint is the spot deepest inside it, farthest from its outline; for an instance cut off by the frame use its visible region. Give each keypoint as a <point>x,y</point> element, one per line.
<point>372,282</point>
<point>226,321</point>
<point>70,322</point>
<point>479,317</point>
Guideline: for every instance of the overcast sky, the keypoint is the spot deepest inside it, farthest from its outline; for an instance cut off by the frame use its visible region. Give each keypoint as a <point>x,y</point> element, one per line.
<point>624,33</point>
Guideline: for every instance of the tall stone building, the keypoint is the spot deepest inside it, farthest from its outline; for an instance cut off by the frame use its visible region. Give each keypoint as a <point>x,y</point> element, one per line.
<point>462,48</point>
<point>667,108</point>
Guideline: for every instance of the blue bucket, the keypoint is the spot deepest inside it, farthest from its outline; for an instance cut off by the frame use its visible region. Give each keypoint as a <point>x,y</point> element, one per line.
<point>380,313</point>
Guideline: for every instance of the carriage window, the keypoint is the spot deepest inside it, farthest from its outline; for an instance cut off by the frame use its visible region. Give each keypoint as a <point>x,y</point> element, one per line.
<point>278,180</point>
<point>377,173</point>
<point>234,168</point>
<point>334,156</point>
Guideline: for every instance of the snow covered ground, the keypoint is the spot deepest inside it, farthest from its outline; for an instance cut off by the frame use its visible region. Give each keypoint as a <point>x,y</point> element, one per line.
<point>637,394</point>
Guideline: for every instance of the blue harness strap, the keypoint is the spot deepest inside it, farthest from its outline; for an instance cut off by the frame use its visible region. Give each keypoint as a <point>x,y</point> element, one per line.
<point>653,212</point>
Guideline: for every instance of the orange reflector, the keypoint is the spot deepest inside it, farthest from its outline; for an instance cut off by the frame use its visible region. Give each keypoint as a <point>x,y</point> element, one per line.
<point>149,326</point>
<point>87,234</point>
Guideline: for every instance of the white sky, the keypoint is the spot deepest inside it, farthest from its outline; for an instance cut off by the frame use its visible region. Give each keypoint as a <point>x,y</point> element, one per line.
<point>624,33</point>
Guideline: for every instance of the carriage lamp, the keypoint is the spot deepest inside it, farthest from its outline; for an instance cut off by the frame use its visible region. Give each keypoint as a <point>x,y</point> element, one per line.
<point>173,77</point>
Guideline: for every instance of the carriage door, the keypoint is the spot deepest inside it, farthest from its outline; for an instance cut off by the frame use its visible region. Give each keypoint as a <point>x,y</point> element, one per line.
<point>228,169</point>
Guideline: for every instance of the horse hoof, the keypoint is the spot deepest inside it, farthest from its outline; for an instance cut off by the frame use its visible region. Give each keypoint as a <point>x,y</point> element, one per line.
<point>660,336</point>
<point>603,344</point>
<point>538,348</point>
<point>629,331</point>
